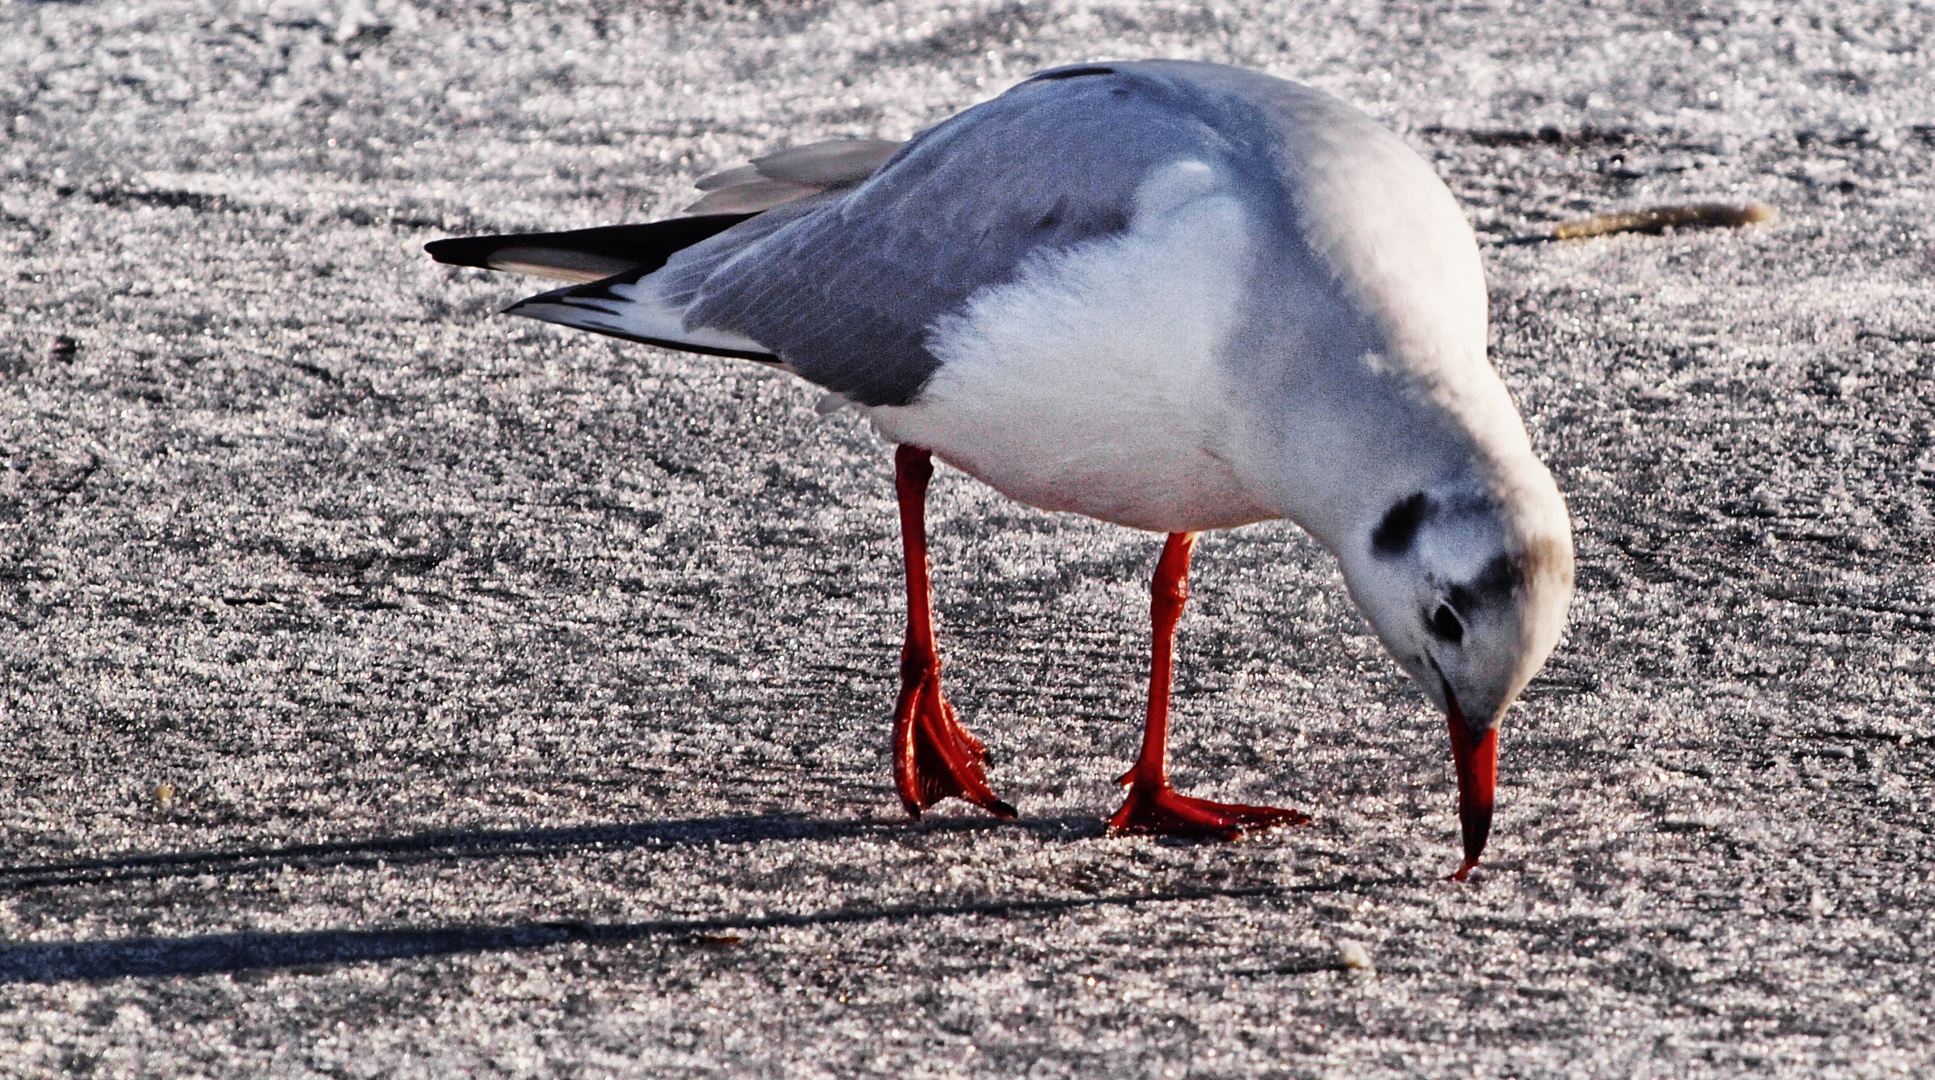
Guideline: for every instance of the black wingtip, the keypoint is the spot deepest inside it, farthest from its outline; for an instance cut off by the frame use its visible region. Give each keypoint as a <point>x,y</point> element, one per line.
<point>1075,72</point>
<point>646,245</point>
<point>464,250</point>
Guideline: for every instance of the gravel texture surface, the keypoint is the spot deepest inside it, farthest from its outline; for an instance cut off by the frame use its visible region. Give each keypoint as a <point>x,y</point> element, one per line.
<point>390,689</point>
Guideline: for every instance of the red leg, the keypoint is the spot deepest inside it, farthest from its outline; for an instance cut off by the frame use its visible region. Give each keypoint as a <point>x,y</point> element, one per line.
<point>1153,806</point>
<point>934,757</point>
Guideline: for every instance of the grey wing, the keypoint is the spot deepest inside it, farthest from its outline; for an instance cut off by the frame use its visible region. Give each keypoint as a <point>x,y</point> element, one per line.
<point>845,294</point>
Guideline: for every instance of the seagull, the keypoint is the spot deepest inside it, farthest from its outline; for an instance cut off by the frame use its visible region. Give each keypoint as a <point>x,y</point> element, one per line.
<point>1175,296</point>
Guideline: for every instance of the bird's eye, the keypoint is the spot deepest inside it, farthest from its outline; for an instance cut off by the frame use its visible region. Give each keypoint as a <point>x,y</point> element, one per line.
<point>1445,624</point>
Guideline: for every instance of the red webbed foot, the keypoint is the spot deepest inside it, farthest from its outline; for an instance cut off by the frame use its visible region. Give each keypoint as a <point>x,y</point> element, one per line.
<point>934,756</point>
<point>1153,808</point>
<point>1158,810</point>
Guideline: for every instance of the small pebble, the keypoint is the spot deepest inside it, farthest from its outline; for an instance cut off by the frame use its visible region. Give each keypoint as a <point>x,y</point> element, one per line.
<point>64,347</point>
<point>1355,956</point>
<point>164,793</point>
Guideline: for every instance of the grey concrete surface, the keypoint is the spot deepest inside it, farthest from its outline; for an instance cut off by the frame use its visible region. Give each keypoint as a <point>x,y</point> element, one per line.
<point>390,689</point>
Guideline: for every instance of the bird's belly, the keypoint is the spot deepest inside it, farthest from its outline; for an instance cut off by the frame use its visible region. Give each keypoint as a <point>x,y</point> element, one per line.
<point>1131,470</point>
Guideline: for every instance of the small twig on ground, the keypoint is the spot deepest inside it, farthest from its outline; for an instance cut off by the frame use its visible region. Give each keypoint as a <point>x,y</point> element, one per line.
<point>1656,219</point>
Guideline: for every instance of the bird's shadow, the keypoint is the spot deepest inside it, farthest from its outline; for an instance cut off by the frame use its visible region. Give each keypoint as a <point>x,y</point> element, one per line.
<point>456,846</point>
<point>209,954</point>
<point>255,950</point>
<point>205,954</point>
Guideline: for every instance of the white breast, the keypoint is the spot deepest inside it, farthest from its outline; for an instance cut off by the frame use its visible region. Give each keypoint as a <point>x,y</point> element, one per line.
<point>1093,381</point>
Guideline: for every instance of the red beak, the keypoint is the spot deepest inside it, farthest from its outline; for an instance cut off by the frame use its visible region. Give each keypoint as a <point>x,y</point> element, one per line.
<point>1477,761</point>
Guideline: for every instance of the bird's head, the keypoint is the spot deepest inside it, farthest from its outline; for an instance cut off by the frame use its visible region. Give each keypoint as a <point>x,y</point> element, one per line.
<point>1467,583</point>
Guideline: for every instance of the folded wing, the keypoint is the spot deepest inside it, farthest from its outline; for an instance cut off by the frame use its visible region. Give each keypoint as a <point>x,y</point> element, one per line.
<point>839,257</point>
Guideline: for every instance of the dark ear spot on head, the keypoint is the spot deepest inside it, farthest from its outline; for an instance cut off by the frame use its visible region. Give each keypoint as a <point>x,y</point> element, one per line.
<point>1393,535</point>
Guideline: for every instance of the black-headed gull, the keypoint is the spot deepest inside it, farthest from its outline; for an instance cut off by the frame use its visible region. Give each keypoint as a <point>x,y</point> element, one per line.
<point>1175,296</point>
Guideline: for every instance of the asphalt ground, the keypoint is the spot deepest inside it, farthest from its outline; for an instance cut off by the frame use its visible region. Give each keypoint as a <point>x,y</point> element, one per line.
<point>391,689</point>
